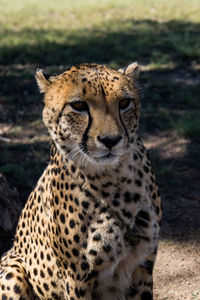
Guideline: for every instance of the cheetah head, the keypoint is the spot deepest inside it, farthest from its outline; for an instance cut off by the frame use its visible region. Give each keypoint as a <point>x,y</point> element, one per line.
<point>92,111</point>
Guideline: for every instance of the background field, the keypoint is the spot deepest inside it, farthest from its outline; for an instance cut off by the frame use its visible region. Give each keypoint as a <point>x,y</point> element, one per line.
<point>164,37</point>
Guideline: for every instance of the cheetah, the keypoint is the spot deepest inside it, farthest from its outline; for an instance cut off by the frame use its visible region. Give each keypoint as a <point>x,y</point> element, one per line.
<point>90,228</point>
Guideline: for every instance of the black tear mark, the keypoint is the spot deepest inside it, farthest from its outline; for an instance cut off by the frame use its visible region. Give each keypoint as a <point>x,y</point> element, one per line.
<point>61,112</point>
<point>124,127</point>
<point>85,135</point>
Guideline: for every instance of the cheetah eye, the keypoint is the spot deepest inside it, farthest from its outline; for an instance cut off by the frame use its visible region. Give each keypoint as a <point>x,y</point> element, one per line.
<point>79,105</point>
<point>124,104</point>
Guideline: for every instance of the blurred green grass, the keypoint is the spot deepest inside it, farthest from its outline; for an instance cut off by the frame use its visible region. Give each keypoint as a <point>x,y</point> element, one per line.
<point>64,32</point>
<point>162,36</point>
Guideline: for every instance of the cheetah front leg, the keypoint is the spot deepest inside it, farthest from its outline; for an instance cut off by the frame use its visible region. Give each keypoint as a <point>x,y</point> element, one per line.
<point>77,290</point>
<point>142,281</point>
<point>103,248</point>
<point>14,283</point>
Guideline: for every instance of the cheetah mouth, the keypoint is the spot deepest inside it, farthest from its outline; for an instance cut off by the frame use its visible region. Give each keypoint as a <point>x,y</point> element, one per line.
<point>107,158</point>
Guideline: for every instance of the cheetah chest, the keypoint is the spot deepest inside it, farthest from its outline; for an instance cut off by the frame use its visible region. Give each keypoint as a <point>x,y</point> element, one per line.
<point>115,276</point>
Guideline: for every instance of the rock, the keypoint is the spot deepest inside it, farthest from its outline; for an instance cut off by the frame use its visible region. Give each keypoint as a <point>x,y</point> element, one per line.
<point>10,208</point>
<point>10,205</point>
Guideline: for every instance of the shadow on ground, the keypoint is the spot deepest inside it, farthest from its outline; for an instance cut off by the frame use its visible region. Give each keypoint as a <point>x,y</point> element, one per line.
<point>170,81</point>
<point>145,40</point>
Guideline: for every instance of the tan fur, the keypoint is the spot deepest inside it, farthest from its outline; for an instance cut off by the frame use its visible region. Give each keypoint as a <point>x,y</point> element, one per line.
<point>90,228</point>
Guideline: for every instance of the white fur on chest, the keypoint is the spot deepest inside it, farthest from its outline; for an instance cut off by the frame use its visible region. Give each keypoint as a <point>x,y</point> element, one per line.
<point>115,279</point>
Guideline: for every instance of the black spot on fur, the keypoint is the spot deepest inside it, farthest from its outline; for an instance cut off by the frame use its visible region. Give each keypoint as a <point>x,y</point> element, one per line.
<point>146,296</point>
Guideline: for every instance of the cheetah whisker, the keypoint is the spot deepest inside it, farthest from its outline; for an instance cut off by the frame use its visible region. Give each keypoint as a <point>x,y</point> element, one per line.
<point>81,159</point>
<point>73,153</point>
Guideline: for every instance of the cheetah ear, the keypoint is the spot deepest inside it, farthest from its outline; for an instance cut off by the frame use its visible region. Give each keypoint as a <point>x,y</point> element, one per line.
<point>43,80</point>
<point>131,70</point>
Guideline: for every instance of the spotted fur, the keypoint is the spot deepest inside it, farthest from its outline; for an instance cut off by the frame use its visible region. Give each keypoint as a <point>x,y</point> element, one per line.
<point>90,228</point>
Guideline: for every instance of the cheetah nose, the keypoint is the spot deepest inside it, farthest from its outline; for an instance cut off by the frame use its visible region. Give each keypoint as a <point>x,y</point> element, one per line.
<point>109,141</point>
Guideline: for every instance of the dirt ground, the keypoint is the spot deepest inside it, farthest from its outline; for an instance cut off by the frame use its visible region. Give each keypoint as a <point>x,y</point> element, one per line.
<point>177,268</point>
<point>177,271</point>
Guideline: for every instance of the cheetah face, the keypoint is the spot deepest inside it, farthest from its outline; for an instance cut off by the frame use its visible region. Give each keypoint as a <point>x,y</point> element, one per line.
<point>91,112</point>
